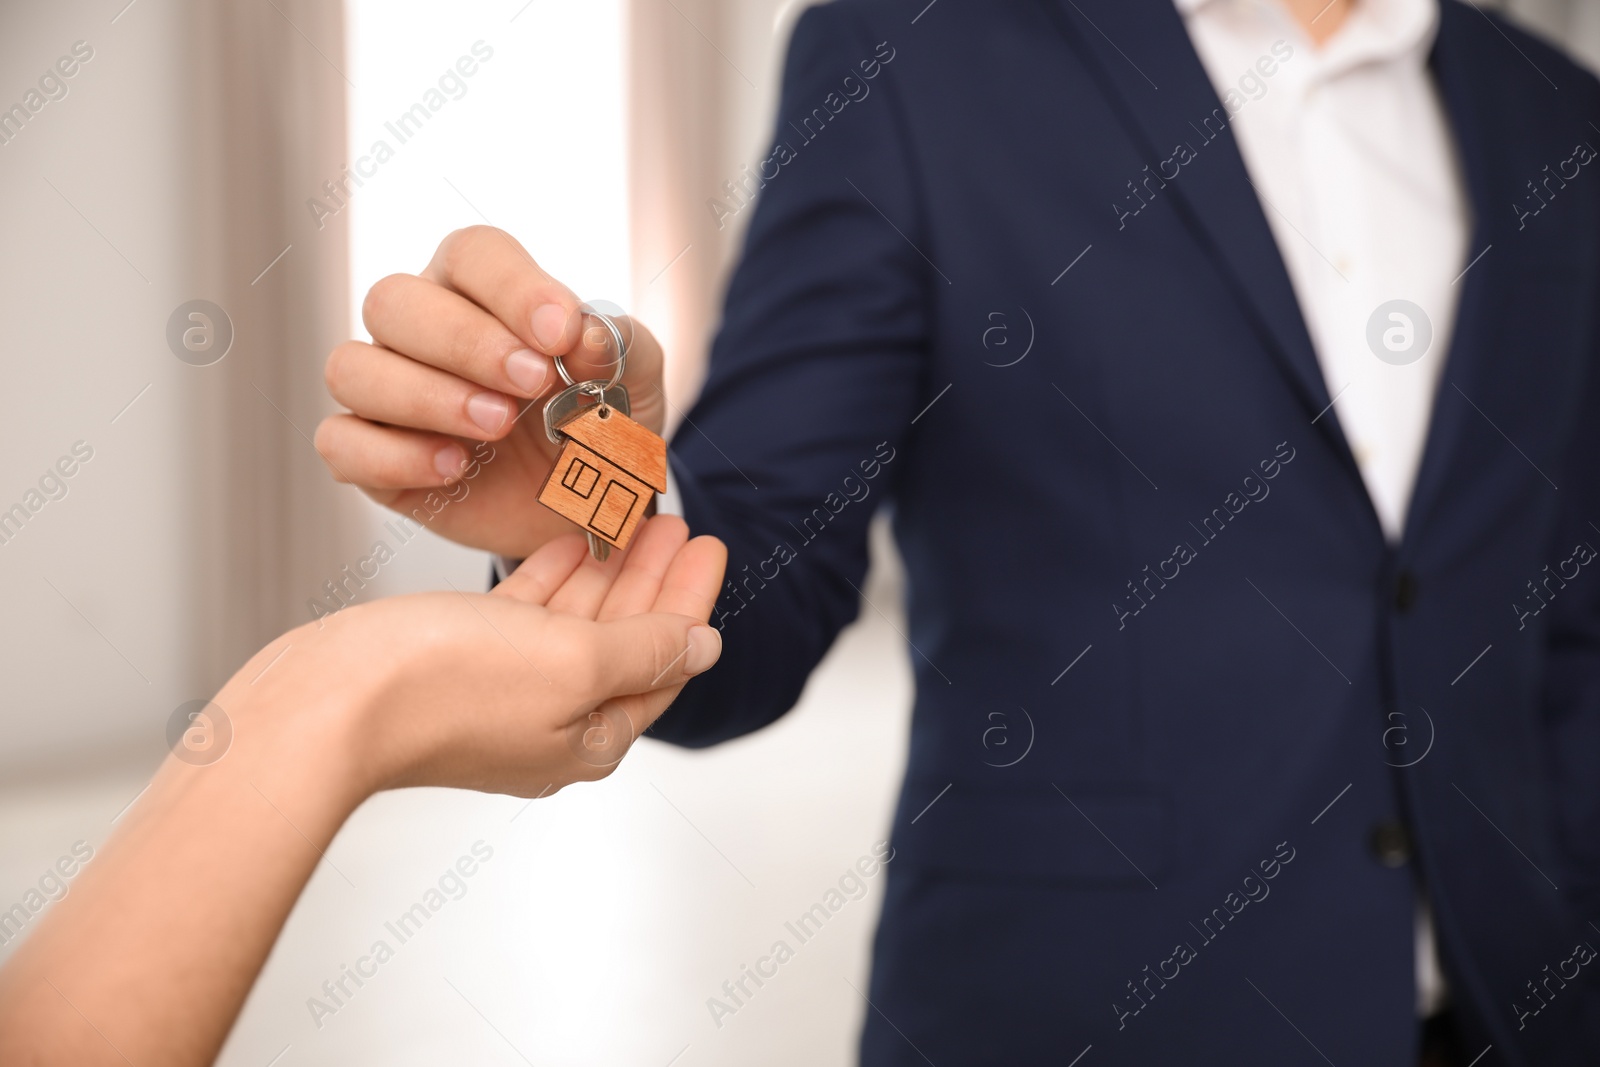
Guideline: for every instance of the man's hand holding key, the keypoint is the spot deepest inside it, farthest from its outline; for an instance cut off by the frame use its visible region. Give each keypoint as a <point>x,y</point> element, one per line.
<point>460,354</point>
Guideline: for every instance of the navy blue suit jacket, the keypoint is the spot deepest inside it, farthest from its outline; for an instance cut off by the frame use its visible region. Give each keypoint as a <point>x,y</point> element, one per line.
<point>1199,860</point>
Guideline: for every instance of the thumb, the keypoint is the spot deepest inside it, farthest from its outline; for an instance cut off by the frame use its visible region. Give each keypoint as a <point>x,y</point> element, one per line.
<point>656,651</point>
<point>594,353</point>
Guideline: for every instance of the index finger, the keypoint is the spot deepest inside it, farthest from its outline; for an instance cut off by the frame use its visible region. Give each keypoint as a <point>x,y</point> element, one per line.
<point>489,267</point>
<point>693,579</point>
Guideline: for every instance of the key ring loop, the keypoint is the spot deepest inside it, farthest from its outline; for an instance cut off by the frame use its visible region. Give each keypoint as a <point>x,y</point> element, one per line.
<point>616,338</point>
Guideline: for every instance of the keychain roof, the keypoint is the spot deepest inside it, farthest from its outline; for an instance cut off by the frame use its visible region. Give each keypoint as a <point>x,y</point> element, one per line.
<point>622,442</point>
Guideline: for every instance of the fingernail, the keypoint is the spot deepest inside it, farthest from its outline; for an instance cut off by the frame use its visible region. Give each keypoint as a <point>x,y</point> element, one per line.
<point>549,323</point>
<point>705,647</point>
<point>449,460</point>
<point>489,411</point>
<point>527,371</point>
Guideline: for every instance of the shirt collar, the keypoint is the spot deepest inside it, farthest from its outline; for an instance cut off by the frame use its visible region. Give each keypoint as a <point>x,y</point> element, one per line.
<point>1383,30</point>
<point>1376,30</point>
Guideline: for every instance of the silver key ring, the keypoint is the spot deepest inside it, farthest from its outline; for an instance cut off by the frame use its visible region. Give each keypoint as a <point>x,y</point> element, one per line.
<point>617,339</point>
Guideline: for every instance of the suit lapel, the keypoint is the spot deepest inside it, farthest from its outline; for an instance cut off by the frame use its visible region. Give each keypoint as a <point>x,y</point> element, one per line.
<point>1470,116</point>
<point>1139,50</point>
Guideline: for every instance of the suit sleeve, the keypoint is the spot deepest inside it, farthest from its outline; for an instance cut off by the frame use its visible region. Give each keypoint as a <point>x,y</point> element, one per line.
<point>1572,679</point>
<point>815,375</point>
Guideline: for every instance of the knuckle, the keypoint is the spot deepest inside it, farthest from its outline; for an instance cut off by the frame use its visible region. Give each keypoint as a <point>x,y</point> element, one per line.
<point>473,234</point>
<point>466,345</point>
<point>383,299</point>
<point>448,246</point>
<point>393,469</point>
<point>441,404</point>
<point>669,653</point>
<point>323,440</point>
<point>462,244</point>
<point>336,371</point>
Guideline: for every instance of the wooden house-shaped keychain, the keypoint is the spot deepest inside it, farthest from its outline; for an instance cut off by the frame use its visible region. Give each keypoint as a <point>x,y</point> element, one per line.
<point>609,469</point>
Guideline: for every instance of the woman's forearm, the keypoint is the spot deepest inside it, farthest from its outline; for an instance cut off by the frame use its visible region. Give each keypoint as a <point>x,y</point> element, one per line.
<point>543,683</point>
<point>151,955</point>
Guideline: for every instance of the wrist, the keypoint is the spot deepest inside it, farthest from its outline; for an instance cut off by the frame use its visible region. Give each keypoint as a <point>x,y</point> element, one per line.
<point>303,723</point>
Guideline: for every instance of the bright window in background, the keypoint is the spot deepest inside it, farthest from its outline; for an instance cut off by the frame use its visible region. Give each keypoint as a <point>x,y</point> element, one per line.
<point>509,113</point>
<point>531,141</point>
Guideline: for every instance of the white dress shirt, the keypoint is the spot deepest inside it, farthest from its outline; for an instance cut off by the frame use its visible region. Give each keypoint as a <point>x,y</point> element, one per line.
<point>1352,157</point>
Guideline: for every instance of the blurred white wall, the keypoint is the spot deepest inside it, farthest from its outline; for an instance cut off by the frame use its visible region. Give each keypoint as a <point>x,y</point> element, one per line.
<point>172,167</point>
<point>96,201</point>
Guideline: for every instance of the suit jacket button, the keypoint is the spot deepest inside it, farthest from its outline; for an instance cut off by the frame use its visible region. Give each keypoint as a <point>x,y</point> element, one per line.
<point>1405,592</point>
<point>1390,843</point>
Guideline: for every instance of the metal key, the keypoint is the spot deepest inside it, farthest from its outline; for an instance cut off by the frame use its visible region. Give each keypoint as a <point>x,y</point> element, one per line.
<point>566,404</point>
